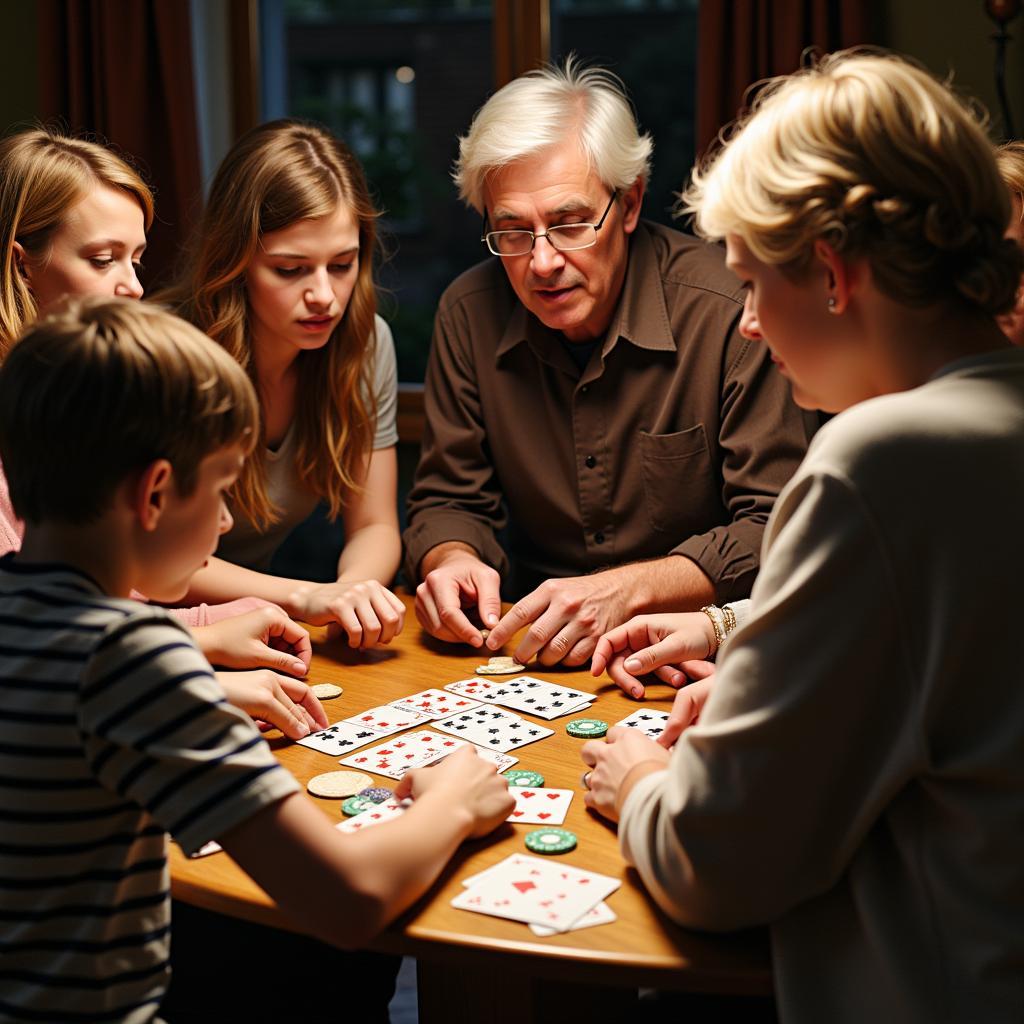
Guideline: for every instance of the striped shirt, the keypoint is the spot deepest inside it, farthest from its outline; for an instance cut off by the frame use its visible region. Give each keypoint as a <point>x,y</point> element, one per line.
<point>113,732</point>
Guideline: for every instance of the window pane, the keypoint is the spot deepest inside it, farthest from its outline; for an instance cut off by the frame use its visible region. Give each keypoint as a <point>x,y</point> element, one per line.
<point>651,46</point>
<point>399,81</point>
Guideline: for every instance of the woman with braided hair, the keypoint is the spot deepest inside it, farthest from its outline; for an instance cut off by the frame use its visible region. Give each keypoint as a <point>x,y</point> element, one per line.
<point>856,778</point>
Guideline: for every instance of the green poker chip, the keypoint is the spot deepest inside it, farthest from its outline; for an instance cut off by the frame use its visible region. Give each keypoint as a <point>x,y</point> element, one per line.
<point>356,805</point>
<point>524,777</point>
<point>587,727</point>
<point>550,840</point>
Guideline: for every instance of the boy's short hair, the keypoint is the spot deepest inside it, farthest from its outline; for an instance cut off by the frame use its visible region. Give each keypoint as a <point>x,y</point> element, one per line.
<point>101,389</point>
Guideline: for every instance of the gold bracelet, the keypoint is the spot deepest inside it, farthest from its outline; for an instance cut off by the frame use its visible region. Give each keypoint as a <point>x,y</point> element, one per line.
<point>730,618</point>
<point>714,613</point>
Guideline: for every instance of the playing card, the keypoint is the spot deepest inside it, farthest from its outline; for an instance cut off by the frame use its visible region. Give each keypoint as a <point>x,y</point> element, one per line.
<point>340,738</point>
<point>474,687</point>
<point>394,758</point>
<point>536,806</point>
<point>499,760</point>
<point>374,815</point>
<point>536,697</point>
<point>651,723</point>
<point>386,719</point>
<point>206,849</point>
<point>601,914</point>
<point>536,892</point>
<point>493,729</point>
<point>435,703</point>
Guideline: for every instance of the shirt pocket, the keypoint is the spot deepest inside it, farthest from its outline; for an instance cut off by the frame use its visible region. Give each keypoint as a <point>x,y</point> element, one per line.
<point>678,480</point>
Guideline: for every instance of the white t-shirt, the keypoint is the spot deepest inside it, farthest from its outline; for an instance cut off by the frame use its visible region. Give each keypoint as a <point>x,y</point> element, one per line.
<point>244,544</point>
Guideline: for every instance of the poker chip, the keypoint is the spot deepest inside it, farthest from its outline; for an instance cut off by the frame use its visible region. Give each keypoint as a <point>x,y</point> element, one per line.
<point>550,840</point>
<point>587,727</point>
<point>524,777</point>
<point>325,691</point>
<point>337,784</point>
<point>356,805</point>
<point>377,794</point>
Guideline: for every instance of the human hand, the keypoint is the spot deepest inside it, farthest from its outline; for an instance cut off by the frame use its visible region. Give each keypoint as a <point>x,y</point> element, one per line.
<point>366,611</point>
<point>566,617</point>
<point>674,647</point>
<point>616,763</point>
<point>466,781</point>
<point>687,707</point>
<point>264,638</point>
<point>286,703</point>
<point>459,582</point>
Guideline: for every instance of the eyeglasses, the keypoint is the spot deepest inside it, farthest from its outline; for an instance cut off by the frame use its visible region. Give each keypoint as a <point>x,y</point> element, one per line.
<point>563,237</point>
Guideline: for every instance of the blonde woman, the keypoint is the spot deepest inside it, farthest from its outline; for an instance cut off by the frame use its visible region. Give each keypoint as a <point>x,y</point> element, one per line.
<point>281,274</point>
<point>73,222</point>
<point>856,779</point>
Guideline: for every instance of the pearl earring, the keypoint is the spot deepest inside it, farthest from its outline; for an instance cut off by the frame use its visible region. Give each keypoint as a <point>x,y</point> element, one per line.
<point>831,303</point>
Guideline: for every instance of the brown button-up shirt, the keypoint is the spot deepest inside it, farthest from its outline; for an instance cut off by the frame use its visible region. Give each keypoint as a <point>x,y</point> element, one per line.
<point>676,438</point>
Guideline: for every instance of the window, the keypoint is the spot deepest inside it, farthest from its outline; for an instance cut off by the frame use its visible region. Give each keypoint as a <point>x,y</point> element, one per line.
<point>400,80</point>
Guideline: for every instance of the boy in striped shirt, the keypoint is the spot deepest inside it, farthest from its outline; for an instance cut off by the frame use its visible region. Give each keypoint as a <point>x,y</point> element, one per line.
<point>121,430</point>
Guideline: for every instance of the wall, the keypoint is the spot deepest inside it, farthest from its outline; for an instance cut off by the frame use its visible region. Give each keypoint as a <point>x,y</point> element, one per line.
<point>956,35</point>
<point>19,93</point>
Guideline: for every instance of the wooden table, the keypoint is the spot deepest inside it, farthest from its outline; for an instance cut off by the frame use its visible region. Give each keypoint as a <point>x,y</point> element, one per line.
<point>473,967</point>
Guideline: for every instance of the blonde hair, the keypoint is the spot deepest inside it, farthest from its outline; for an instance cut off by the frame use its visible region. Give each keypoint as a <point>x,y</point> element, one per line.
<point>869,153</point>
<point>279,173</point>
<point>101,389</point>
<point>1010,161</point>
<point>43,174</point>
<point>545,107</point>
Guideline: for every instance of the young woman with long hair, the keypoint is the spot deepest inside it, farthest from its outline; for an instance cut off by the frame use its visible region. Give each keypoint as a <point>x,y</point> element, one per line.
<point>280,272</point>
<point>73,222</point>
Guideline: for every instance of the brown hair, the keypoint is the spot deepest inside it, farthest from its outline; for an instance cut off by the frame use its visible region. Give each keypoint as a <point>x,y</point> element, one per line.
<point>44,173</point>
<point>100,390</point>
<point>275,175</point>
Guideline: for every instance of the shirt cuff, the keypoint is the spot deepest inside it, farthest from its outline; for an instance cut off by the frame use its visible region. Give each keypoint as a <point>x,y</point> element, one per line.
<point>440,526</point>
<point>729,562</point>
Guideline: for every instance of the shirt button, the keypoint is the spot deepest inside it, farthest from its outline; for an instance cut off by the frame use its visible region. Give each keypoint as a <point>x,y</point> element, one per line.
<point>590,462</point>
<point>584,389</point>
<point>598,537</point>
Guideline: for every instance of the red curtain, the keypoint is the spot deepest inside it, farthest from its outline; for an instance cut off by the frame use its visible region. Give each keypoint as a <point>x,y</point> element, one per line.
<point>740,42</point>
<point>123,69</point>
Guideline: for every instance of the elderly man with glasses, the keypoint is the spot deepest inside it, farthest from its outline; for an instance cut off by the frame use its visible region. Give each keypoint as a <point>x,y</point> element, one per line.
<point>589,391</point>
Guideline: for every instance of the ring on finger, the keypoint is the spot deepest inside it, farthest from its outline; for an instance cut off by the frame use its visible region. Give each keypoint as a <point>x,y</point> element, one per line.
<point>585,779</point>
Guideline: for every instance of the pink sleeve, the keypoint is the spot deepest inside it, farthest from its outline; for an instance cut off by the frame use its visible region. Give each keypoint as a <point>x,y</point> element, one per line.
<point>12,529</point>
<point>208,614</point>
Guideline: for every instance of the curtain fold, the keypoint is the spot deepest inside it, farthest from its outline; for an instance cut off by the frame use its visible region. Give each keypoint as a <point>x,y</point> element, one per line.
<point>740,42</point>
<point>122,69</point>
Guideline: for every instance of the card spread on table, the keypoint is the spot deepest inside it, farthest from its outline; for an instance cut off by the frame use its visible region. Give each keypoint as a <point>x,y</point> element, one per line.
<point>524,693</point>
<point>435,703</point>
<point>493,729</point>
<point>387,719</point>
<point>395,757</point>
<point>496,757</point>
<point>651,723</point>
<point>536,806</point>
<point>374,815</point>
<point>548,893</point>
<point>340,738</point>
<point>601,914</point>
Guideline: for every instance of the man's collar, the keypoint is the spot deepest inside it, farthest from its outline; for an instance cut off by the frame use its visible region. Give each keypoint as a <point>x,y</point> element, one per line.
<point>641,316</point>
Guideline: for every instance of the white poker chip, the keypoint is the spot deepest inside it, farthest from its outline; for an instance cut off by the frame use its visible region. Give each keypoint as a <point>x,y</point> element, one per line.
<point>325,691</point>
<point>338,784</point>
<point>500,665</point>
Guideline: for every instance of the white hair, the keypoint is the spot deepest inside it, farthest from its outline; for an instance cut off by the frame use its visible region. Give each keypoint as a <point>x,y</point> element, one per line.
<point>545,107</point>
